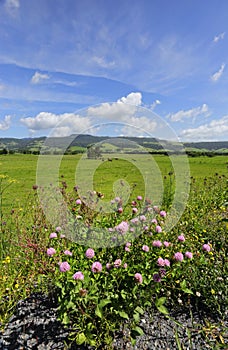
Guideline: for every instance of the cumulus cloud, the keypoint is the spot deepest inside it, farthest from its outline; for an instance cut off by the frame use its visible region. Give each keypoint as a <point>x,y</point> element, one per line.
<point>124,111</point>
<point>215,130</point>
<point>39,77</point>
<point>12,6</point>
<point>190,113</point>
<point>5,123</point>
<point>60,124</point>
<point>219,37</point>
<point>217,75</point>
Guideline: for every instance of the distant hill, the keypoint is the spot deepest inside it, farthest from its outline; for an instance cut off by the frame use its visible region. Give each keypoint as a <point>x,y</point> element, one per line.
<point>78,143</point>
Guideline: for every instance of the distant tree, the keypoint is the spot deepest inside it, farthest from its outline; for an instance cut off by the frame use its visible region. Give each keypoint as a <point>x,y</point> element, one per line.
<point>4,151</point>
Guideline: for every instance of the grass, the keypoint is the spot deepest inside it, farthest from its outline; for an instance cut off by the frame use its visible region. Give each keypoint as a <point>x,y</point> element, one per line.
<point>25,266</point>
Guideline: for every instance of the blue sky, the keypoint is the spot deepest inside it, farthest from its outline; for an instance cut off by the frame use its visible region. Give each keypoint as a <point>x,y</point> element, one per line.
<point>67,65</point>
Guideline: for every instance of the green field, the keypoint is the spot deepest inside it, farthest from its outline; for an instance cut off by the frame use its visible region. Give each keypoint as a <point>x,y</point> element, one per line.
<point>23,169</point>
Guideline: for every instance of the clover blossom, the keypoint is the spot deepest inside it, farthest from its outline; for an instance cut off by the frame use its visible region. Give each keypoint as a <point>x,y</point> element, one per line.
<point>178,256</point>
<point>96,267</point>
<point>78,276</point>
<point>206,248</point>
<point>53,235</point>
<point>145,248</point>
<point>64,266</point>
<point>51,251</point>
<point>89,253</point>
<point>138,277</point>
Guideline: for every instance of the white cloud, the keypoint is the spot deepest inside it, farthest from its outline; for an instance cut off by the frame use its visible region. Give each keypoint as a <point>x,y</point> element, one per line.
<point>12,6</point>
<point>215,130</point>
<point>5,123</point>
<point>100,61</point>
<point>124,111</point>
<point>38,77</point>
<point>154,104</point>
<point>60,124</point>
<point>190,113</point>
<point>217,75</point>
<point>219,37</point>
<point>117,111</point>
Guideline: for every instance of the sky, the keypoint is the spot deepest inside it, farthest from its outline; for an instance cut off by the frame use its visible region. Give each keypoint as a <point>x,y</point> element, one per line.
<point>136,68</point>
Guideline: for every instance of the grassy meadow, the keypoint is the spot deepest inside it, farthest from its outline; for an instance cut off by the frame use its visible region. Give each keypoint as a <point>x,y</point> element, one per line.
<point>167,268</point>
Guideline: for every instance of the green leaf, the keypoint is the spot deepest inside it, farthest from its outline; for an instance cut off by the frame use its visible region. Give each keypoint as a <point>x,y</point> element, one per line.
<point>161,301</point>
<point>65,319</point>
<point>188,291</point>
<point>139,310</point>
<point>163,309</point>
<point>123,314</point>
<point>98,312</point>
<point>104,302</point>
<point>138,330</point>
<point>136,317</point>
<point>81,338</point>
<point>133,341</point>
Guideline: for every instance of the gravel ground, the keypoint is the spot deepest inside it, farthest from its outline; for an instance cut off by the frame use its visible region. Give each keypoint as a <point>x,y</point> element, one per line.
<point>34,326</point>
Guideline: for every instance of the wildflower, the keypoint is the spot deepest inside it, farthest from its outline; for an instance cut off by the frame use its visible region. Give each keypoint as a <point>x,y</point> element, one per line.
<point>67,252</point>
<point>154,221</point>
<point>162,272</point>
<point>125,265</point>
<point>157,277</point>
<point>120,210</point>
<point>58,229</point>
<point>206,247</point>
<point>181,238</point>
<point>90,253</point>
<point>188,255</point>
<point>78,276</point>
<point>117,199</point>
<point>178,256</point>
<point>138,277</point>
<point>167,262</point>
<point>78,201</point>
<point>134,210</point>
<point>108,266</point>
<point>145,248</point>
<point>163,213</point>
<point>132,229</point>
<point>145,228</point>
<point>53,235</point>
<point>128,244</point>
<point>64,266</point>
<point>198,294</point>
<point>156,209</point>
<point>160,262</point>
<point>166,244</point>
<point>62,236</point>
<point>139,198</point>
<point>142,218</point>
<point>157,244</point>
<point>158,229</point>
<point>133,203</point>
<point>117,263</point>
<point>122,228</point>
<point>51,251</point>
<point>127,249</point>
<point>135,221</point>
<point>96,267</point>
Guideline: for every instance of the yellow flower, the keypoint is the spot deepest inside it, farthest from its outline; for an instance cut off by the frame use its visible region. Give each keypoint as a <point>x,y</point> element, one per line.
<point>212,291</point>
<point>16,285</point>
<point>7,260</point>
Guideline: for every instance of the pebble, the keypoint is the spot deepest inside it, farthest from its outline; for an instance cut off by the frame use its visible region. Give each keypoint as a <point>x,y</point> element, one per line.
<point>34,326</point>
